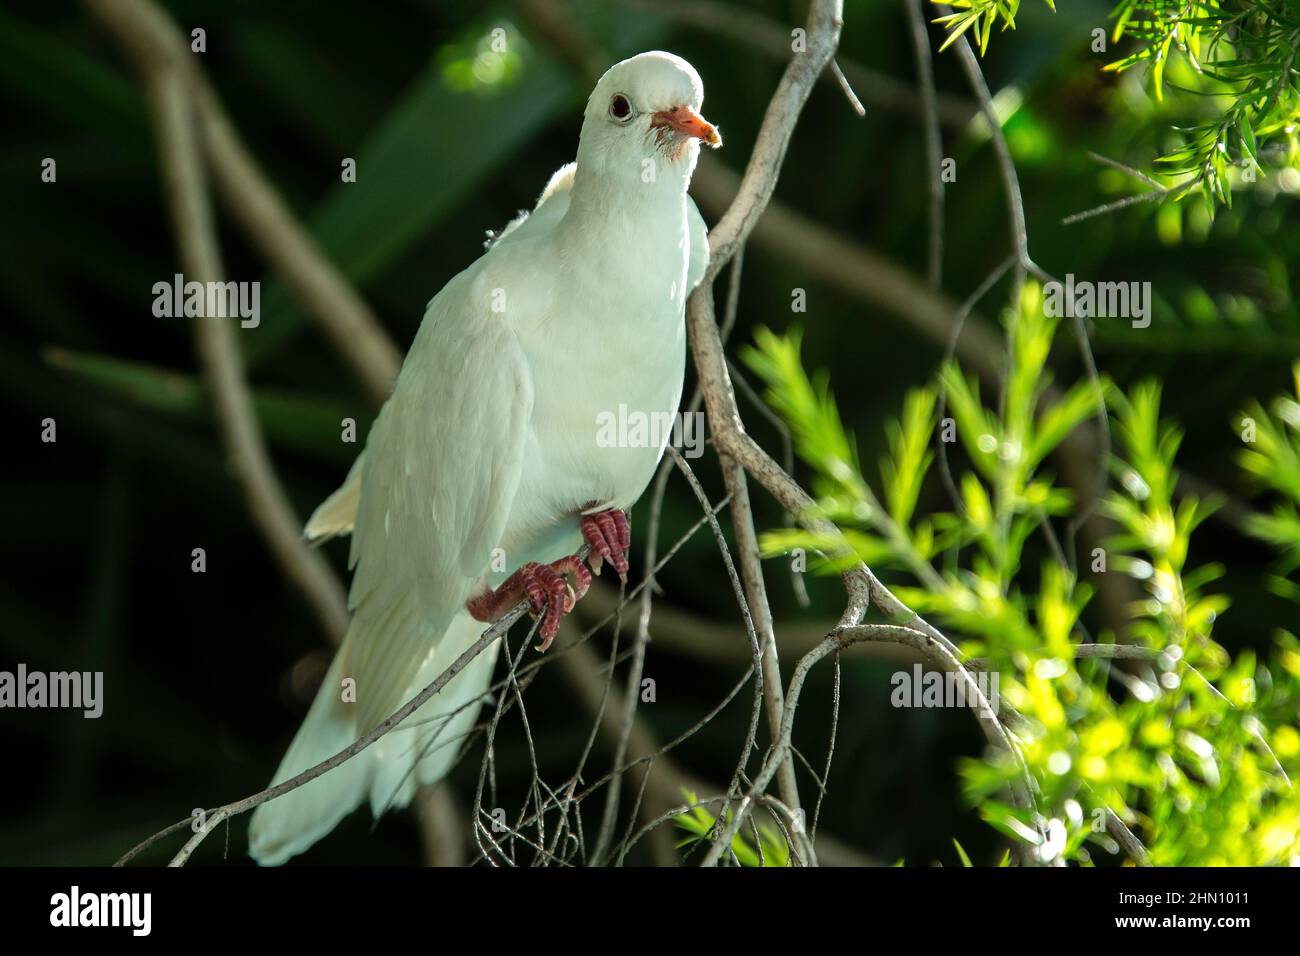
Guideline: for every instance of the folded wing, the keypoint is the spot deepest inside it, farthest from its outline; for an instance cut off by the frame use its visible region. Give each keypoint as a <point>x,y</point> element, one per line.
<point>441,469</point>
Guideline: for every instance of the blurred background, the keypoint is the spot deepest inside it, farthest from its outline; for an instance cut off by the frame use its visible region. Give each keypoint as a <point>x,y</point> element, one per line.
<point>208,675</point>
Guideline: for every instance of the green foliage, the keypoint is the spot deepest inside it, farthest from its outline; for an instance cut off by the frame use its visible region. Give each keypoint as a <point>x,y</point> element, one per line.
<point>1238,63</point>
<point>981,15</point>
<point>1214,736</point>
<point>1272,458</point>
<point>1242,53</point>
<point>1190,748</point>
<point>962,855</point>
<point>701,825</point>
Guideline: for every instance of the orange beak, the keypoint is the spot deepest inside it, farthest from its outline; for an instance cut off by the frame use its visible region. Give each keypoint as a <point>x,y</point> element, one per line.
<point>684,121</point>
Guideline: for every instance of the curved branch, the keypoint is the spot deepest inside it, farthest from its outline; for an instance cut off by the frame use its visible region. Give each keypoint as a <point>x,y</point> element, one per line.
<point>825,18</point>
<point>938,651</point>
<point>772,39</point>
<point>361,743</point>
<point>143,31</point>
<point>156,43</point>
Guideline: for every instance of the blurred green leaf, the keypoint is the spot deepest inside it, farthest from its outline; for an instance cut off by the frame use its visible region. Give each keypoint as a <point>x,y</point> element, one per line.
<point>311,425</point>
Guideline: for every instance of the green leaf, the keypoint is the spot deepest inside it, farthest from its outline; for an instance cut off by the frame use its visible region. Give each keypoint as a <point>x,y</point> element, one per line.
<point>965,860</point>
<point>1248,138</point>
<point>1158,71</point>
<point>1079,404</point>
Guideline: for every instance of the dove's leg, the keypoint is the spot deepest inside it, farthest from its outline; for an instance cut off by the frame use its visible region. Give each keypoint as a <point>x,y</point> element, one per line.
<point>610,536</point>
<point>546,589</point>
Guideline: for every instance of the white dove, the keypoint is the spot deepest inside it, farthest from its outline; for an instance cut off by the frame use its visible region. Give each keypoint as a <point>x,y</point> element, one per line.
<point>484,473</point>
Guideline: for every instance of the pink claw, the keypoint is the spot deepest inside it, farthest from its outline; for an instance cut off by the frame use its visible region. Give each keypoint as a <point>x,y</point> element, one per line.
<point>548,591</point>
<point>610,536</point>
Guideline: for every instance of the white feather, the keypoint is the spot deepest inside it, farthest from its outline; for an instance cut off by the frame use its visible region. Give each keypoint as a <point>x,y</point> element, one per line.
<point>488,445</point>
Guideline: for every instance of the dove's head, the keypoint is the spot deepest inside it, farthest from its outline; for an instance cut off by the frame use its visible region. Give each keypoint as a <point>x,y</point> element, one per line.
<point>643,119</point>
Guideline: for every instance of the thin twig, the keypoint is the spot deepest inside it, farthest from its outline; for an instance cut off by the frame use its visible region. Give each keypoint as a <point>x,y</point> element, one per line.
<point>1160,191</point>
<point>933,137</point>
<point>772,39</point>
<point>746,613</point>
<point>937,650</point>
<point>361,743</point>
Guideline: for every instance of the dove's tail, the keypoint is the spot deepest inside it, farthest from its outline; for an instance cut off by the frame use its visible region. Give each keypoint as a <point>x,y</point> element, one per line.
<point>337,513</point>
<point>419,752</point>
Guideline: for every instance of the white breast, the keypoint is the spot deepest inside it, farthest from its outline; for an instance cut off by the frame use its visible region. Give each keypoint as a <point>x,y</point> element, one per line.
<point>608,364</point>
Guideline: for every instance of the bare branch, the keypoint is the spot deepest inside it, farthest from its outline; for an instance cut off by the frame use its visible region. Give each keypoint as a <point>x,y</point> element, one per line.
<point>1159,191</point>
<point>933,136</point>
<point>938,650</point>
<point>772,39</point>
<point>156,44</point>
<point>751,571</point>
<point>755,190</point>
<point>143,31</point>
<point>361,743</point>
<point>347,321</point>
<point>745,611</point>
<point>1006,166</point>
<point>853,268</point>
<point>825,17</point>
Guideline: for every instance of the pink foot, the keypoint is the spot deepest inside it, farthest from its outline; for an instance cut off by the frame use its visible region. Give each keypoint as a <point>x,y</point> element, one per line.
<point>610,536</point>
<point>549,594</point>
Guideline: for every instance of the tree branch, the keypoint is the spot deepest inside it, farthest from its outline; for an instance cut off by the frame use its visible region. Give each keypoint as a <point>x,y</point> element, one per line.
<point>143,31</point>
<point>156,43</point>
<point>772,39</point>
<point>229,810</point>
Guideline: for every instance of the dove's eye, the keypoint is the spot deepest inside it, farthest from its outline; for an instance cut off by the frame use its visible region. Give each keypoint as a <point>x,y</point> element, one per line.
<point>619,107</point>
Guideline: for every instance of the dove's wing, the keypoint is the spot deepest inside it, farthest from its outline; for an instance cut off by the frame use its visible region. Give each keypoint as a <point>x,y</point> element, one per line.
<point>697,234</point>
<point>550,209</point>
<point>336,514</point>
<point>442,466</point>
